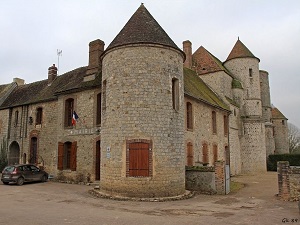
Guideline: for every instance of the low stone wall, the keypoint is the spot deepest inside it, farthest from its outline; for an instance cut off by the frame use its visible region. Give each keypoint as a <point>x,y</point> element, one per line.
<point>288,181</point>
<point>206,180</point>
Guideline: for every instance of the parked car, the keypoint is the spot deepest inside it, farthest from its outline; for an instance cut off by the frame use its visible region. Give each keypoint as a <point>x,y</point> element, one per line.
<point>23,173</point>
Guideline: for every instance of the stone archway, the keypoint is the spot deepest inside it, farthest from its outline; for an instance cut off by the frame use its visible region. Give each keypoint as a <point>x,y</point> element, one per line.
<point>14,153</point>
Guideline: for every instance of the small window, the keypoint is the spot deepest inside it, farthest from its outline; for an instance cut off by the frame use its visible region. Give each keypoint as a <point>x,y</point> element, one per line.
<point>225,125</point>
<point>283,122</point>
<point>98,115</point>
<point>205,158</point>
<point>215,151</point>
<point>39,115</point>
<point>16,117</point>
<point>139,158</point>
<point>104,95</point>
<point>69,109</point>
<point>214,122</point>
<point>175,94</point>
<point>189,116</point>
<point>190,154</point>
<point>250,73</point>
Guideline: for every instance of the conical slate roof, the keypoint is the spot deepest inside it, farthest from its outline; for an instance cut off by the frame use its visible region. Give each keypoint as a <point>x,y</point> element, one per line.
<point>205,62</point>
<point>240,51</point>
<point>142,28</point>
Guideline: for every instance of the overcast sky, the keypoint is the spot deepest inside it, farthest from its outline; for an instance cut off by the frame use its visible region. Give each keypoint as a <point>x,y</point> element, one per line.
<point>33,30</point>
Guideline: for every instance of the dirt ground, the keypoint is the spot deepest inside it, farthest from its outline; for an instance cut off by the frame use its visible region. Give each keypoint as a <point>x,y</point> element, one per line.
<point>57,203</point>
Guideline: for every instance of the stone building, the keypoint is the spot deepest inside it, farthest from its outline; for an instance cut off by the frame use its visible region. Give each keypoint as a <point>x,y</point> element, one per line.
<point>141,111</point>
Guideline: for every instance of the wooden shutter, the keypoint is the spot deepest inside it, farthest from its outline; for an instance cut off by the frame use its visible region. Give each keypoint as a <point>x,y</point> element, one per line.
<point>60,158</point>
<point>205,153</point>
<point>139,159</point>
<point>215,150</point>
<point>73,157</point>
<point>190,154</point>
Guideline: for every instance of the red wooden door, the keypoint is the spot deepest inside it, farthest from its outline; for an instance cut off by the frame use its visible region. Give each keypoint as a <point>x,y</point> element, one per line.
<point>139,159</point>
<point>98,160</point>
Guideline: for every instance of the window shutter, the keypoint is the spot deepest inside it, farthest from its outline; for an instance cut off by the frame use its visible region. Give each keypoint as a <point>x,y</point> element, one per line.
<point>60,156</point>
<point>73,156</point>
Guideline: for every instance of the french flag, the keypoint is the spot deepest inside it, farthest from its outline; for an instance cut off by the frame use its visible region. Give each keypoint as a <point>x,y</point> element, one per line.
<point>75,117</point>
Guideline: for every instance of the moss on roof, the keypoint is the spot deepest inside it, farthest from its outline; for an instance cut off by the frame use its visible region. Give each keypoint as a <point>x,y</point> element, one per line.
<point>196,88</point>
<point>40,91</point>
<point>236,84</point>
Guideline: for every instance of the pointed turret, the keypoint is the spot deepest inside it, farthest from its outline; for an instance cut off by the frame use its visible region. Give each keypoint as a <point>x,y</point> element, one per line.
<point>142,28</point>
<point>240,51</point>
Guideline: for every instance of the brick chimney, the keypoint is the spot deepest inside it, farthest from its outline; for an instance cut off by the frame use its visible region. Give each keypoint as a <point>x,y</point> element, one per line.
<point>96,48</point>
<point>52,73</point>
<point>187,48</point>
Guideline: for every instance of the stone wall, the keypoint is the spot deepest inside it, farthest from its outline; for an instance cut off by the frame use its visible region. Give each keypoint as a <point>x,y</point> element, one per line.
<point>281,136</point>
<point>206,180</point>
<point>288,181</point>
<point>202,131</point>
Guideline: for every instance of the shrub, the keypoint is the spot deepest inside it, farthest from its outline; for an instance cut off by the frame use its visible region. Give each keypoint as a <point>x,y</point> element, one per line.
<point>293,159</point>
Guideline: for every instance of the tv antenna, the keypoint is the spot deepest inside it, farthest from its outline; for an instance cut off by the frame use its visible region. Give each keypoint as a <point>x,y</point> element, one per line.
<point>59,53</point>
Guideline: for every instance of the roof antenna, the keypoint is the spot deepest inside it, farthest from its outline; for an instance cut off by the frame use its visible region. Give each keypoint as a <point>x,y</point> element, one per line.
<point>59,53</point>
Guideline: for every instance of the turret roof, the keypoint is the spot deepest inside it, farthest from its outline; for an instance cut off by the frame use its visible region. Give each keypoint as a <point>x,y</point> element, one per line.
<point>140,29</point>
<point>276,114</point>
<point>240,51</point>
<point>205,62</point>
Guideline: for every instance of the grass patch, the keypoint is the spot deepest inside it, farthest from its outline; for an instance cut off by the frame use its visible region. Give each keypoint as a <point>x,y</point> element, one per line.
<point>236,186</point>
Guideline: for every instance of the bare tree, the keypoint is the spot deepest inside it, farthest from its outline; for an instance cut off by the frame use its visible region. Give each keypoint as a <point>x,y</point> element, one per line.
<point>294,139</point>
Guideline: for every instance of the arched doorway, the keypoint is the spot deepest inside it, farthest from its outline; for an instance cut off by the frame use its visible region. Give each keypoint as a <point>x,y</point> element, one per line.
<point>14,153</point>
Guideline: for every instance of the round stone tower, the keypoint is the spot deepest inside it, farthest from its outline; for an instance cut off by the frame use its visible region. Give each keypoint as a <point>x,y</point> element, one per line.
<point>245,66</point>
<point>142,136</point>
<point>266,111</point>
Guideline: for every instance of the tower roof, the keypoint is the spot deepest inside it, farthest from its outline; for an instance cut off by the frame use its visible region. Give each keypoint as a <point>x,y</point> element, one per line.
<point>240,51</point>
<point>205,62</point>
<point>142,28</point>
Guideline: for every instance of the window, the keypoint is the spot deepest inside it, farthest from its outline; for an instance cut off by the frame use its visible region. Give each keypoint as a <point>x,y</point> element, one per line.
<point>98,113</point>
<point>16,117</point>
<point>250,73</point>
<point>139,158</point>
<point>39,114</point>
<point>190,154</point>
<point>214,122</point>
<point>282,122</point>
<point>104,95</point>
<point>33,151</point>
<point>67,153</point>
<point>225,125</point>
<point>205,159</point>
<point>189,116</point>
<point>215,151</point>
<point>175,94</point>
<point>69,108</point>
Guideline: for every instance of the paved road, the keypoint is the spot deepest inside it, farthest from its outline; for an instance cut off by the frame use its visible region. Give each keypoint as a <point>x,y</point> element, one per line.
<point>58,204</point>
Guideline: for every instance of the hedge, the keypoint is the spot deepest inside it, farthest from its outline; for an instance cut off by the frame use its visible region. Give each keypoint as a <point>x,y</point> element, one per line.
<point>293,159</point>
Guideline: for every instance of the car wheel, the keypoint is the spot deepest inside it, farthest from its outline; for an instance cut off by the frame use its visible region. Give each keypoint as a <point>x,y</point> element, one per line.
<point>6,183</point>
<point>44,178</point>
<point>20,181</point>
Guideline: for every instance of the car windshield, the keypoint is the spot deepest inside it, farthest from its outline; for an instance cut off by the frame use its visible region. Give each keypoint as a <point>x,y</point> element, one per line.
<point>9,169</point>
